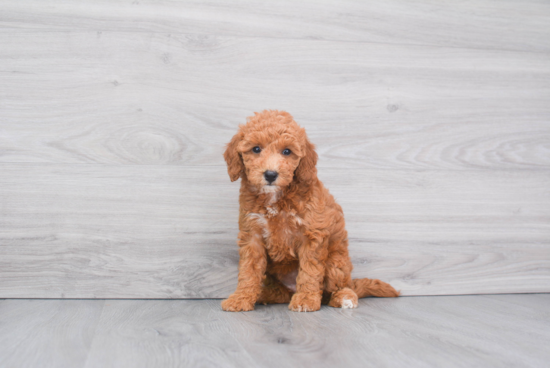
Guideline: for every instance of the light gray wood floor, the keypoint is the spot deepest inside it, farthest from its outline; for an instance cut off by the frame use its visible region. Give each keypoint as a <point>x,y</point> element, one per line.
<point>431,120</point>
<point>446,331</point>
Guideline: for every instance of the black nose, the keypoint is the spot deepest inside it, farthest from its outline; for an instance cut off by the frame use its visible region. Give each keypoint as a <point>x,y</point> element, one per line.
<point>270,176</point>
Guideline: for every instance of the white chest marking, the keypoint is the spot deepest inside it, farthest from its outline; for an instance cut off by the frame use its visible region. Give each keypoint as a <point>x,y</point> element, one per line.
<point>272,211</point>
<point>261,220</point>
<point>298,220</point>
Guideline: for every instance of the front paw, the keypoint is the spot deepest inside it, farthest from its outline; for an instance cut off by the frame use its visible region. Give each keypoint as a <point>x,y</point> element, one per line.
<point>238,303</point>
<point>302,302</point>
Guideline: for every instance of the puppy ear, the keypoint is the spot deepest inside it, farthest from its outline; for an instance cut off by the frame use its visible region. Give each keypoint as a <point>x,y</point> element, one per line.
<point>233,159</point>
<point>306,170</point>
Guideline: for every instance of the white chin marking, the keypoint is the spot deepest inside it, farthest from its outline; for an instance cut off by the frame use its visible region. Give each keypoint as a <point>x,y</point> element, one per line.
<point>269,189</point>
<point>272,211</point>
<point>348,304</point>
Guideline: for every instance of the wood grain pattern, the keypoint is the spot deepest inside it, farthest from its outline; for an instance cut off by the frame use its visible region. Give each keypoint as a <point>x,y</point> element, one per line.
<point>136,231</point>
<point>464,331</point>
<point>431,120</point>
<point>52,333</point>
<point>492,24</point>
<point>147,98</point>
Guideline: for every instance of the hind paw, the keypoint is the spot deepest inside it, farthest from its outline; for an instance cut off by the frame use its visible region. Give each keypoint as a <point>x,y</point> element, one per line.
<point>344,298</point>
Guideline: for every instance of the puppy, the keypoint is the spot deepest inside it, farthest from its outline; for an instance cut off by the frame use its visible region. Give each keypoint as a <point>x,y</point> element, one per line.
<point>293,245</point>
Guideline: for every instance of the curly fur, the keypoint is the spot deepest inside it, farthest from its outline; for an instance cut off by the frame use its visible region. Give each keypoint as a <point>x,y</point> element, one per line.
<point>293,244</point>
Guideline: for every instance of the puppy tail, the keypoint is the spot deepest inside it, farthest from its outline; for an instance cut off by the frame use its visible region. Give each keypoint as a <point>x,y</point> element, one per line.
<point>370,287</point>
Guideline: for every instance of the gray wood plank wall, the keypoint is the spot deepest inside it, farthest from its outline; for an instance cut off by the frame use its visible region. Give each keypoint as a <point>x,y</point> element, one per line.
<point>432,123</point>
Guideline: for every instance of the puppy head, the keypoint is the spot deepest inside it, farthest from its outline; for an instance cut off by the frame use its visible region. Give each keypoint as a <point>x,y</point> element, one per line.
<point>271,151</point>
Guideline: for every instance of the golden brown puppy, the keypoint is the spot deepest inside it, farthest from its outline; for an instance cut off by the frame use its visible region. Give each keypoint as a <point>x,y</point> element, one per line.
<point>293,242</point>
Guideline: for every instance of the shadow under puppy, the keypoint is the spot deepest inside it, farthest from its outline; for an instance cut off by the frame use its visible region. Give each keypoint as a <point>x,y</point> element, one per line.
<point>293,244</point>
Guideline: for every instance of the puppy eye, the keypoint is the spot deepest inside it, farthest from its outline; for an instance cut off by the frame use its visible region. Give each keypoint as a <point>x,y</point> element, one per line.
<point>286,152</point>
<point>256,149</point>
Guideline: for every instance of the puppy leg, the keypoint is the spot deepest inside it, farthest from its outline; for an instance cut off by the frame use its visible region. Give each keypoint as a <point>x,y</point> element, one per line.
<point>338,280</point>
<point>274,292</point>
<point>252,265</point>
<point>309,281</point>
